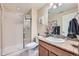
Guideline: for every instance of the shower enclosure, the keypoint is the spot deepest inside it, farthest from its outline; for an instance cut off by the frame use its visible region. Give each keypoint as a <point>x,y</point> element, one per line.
<point>27,31</point>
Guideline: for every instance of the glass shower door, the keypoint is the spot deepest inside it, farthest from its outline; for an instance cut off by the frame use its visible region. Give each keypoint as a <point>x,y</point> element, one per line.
<point>27,32</point>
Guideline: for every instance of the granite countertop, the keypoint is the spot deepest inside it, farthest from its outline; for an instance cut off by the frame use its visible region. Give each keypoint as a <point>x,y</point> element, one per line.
<point>68,45</point>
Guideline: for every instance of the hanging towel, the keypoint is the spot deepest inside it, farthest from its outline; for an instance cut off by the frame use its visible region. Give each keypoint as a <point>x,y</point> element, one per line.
<point>73,28</point>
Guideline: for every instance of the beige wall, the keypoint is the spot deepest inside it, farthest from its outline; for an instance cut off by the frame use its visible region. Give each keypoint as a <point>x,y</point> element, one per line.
<point>12,32</point>
<point>0,30</point>
<point>43,12</point>
<point>34,23</point>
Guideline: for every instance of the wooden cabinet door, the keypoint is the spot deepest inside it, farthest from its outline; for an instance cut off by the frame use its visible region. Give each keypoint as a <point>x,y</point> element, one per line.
<point>43,51</point>
<point>52,54</point>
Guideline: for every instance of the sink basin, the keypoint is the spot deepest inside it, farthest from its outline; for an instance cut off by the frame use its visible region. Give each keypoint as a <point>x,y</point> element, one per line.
<point>55,40</point>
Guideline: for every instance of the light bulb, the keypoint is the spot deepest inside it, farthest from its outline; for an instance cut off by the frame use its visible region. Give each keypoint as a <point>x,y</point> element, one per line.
<point>60,4</point>
<point>54,6</point>
<point>51,4</point>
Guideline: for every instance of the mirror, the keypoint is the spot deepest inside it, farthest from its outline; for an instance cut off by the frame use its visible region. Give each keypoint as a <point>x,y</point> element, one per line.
<point>59,16</point>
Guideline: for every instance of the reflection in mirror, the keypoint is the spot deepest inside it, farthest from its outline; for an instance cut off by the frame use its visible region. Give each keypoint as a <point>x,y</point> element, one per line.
<point>59,17</point>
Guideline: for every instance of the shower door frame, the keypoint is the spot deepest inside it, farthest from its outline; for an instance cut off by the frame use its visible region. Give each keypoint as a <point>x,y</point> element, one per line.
<point>30,32</point>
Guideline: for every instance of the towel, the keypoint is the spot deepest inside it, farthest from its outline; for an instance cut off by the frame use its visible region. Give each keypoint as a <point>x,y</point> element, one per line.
<point>73,28</point>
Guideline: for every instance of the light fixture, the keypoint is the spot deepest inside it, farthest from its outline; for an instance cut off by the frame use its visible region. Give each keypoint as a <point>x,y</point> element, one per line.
<point>60,4</point>
<point>50,5</point>
<point>54,6</point>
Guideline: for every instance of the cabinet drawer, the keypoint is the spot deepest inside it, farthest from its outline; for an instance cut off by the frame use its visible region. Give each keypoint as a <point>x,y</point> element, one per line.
<point>55,50</point>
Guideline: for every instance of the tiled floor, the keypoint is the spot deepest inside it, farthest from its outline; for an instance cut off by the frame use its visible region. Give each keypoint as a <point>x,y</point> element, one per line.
<point>30,52</point>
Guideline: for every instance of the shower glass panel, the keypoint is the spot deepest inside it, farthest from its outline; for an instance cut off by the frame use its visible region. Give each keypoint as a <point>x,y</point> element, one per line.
<point>27,31</point>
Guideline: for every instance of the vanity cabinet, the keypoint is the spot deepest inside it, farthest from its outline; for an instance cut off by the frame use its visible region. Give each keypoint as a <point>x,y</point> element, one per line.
<point>43,51</point>
<point>46,49</point>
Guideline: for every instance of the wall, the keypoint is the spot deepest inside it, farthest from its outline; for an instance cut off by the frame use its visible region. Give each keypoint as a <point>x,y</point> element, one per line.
<point>34,23</point>
<point>0,30</point>
<point>43,12</point>
<point>12,32</point>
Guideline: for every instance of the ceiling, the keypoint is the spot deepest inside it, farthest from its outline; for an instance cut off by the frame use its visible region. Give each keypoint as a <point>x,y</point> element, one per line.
<point>22,7</point>
<point>64,7</point>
